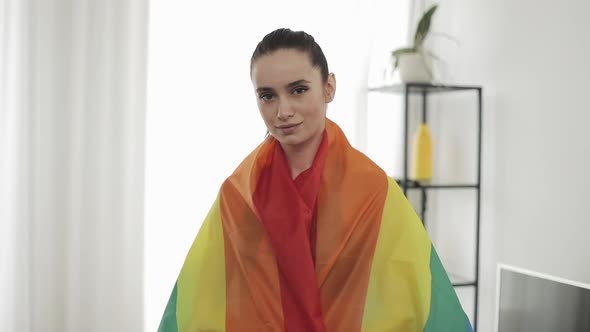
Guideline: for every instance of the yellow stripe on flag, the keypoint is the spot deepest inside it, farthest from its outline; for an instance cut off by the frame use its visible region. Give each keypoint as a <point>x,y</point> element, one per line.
<point>398,297</point>
<point>201,283</point>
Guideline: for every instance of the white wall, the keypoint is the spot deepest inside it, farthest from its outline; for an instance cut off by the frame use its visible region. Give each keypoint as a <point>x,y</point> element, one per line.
<point>532,59</point>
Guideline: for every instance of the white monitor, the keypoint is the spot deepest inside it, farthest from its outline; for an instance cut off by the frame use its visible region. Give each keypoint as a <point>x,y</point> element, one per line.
<point>528,301</point>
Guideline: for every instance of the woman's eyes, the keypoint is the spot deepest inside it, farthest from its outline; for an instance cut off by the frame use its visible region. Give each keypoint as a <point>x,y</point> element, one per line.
<point>299,90</point>
<point>296,91</point>
<point>266,96</point>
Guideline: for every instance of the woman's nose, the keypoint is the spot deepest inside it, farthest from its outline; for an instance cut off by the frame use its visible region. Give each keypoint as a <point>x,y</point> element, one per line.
<point>284,110</point>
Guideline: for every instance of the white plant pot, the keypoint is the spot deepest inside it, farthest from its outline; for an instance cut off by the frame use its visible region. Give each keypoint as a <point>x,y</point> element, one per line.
<point>415,68</point>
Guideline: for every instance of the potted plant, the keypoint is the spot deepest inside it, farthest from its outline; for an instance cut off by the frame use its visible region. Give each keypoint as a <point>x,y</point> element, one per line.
<point>415,62</point>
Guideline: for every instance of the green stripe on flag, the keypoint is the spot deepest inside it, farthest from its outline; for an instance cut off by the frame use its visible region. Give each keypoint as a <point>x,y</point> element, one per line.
<point>446,313</point>
<point>168,323</point>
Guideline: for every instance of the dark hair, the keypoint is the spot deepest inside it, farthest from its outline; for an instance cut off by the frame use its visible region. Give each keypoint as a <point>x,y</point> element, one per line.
<point>289,39</point>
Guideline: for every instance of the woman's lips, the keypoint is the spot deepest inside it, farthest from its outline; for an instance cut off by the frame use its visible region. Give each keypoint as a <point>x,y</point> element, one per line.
<point>288,128</point>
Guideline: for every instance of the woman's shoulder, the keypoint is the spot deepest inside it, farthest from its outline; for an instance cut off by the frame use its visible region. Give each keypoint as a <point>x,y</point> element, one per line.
<point>249,167</point>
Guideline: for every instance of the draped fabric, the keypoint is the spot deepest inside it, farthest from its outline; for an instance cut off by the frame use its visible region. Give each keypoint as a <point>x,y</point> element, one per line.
<point>339,248</point>
<point>287,209</point>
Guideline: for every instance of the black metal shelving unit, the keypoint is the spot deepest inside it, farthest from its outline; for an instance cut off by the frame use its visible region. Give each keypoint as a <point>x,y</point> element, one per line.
<point>407,184</point>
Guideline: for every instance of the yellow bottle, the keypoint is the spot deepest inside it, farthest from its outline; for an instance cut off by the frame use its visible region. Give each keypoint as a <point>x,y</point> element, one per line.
<point>422,153</point>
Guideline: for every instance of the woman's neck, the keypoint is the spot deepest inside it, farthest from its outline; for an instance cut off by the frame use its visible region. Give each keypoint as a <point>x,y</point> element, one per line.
<point>301,157</point>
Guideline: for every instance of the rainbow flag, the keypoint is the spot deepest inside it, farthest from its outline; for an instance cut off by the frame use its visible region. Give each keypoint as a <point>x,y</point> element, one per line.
<point>374,266</point>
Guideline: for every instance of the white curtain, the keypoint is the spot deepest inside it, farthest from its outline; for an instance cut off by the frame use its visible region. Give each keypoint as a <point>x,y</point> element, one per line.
<point>72,90</point>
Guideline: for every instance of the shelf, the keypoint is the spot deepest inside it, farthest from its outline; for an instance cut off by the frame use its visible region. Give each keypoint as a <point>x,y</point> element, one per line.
<point>425,188</point>
<point>422,88</point>
<point>411,184</point>
<point>459,281</point>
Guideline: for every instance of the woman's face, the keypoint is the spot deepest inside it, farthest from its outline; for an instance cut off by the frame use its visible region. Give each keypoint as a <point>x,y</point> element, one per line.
<point>292,98</point>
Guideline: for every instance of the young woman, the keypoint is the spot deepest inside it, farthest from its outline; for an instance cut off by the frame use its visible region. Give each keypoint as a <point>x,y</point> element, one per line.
<point>308,234</point>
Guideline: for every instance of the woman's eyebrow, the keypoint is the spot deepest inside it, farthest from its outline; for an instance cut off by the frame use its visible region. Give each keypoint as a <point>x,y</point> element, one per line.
<point>290,85</point>
<point>264,89</point>
<point>298,82</point>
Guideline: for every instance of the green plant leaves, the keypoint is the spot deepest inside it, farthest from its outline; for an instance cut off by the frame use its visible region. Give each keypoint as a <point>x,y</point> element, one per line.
<point>421,32</point>
<point>423,27</point>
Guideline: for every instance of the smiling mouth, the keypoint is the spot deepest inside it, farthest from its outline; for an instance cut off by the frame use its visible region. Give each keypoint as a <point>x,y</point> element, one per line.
<point>289,126</point>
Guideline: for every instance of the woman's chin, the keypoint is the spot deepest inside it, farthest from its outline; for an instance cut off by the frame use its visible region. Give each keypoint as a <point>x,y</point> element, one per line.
<point>290,140</point>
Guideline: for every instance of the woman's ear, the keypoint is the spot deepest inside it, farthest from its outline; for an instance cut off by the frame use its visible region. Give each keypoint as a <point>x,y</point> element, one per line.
<point>330,88</point>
